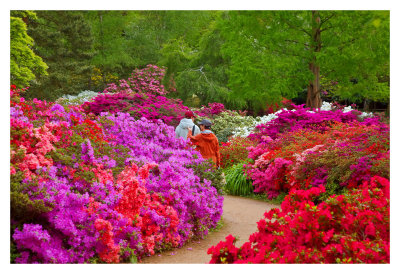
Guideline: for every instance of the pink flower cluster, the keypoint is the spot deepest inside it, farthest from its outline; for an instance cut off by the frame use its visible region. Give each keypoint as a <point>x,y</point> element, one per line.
<point>211,110</point>
<point>147,80</point>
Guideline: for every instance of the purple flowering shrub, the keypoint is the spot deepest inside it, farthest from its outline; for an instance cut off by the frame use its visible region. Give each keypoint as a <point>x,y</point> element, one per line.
<point>198,205</point>
<point>138,105</point>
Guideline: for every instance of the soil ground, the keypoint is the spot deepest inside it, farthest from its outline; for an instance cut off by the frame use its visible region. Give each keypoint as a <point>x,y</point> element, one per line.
<point>240,217</point>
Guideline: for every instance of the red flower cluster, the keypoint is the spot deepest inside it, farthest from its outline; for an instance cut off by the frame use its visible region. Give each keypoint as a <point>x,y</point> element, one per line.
<point>349,228</point>
<point>135,200</point>
<point>108,251</point>
<point>235,151</point>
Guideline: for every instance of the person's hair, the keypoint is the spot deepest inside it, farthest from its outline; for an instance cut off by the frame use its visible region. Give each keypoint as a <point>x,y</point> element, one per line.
<point>207,127</point>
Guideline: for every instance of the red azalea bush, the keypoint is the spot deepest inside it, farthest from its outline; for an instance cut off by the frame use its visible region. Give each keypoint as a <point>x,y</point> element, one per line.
<point>235,151</point>
<point>284,103</point>
<point>139,105</point>
<point>349,228</point>
<point>342,155</point>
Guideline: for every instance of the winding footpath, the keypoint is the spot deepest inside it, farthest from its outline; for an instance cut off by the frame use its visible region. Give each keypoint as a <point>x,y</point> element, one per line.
<point>240,219</point>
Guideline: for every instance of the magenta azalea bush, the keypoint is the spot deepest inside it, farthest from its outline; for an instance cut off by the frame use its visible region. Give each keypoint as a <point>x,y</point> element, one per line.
<point>303,118</point>
<point>138,105</point>
<point>211,110</point>
<point>109,189</point>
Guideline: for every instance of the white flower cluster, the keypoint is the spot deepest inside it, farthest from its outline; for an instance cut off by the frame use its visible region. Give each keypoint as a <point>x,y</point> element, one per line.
<point>245,131</point>
<point>82,97</point>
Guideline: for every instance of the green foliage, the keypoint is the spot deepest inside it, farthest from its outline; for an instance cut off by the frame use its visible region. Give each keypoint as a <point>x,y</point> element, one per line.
<point>207,171</point>
<point>263,197</point>
<point>219,225</point>
<point>25,65</point>
<point>236,181</point>
<point>270,52</point>
<point>13,252</point>
<point>24,209</point>
<point>64,40</point>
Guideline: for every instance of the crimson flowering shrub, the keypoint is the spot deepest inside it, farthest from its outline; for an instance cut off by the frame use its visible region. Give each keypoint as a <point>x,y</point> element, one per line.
<point>349,228</point>
<point>138,105</point>
<point>147,80</point>
<point>81,192</point>
<point>284,103</point>
<point>235,151</point>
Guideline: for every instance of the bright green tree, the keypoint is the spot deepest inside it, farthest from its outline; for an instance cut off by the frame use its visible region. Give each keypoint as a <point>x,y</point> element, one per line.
<point>25,65</point>
<point>64,40</point>
<point>279,53</point>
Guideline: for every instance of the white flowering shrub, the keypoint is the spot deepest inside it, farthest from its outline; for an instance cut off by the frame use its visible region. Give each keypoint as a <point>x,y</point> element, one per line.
<point>227,122</point>
<point>79,99</point>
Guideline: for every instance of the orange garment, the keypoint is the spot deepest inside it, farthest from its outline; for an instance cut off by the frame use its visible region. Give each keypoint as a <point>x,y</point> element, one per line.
<point>207,144</point>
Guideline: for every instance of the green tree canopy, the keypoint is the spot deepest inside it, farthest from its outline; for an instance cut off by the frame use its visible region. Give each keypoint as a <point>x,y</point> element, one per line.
<point>64,40</point>
<point>25,65</point>
<point>279,53</point>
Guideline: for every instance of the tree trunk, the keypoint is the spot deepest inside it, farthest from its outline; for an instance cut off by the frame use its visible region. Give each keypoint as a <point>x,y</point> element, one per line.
<point>366,105</point>
<point>314,89</point>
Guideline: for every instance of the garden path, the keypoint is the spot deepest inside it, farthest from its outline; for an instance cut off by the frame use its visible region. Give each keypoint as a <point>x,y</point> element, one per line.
<point>240,219</point>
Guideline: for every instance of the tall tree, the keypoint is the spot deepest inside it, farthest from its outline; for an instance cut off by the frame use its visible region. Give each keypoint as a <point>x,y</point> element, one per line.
<point>64,40</point>
<point>279,53</point>
<point>25,65</point>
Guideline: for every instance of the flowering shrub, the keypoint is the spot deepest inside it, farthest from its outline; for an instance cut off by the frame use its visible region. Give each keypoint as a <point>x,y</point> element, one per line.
<point>225,123</point>
<point>147,80</point>
<point>235,151</point>
<point>138,105</point>
<point>300,114</point>
<point>84,96</point>
<point>110,189</point>
<point>284,103</point>
<point>340,156</point>
<point>303,118</point>
<point>196,201</point>
<point>349,228</point>
<point>211,110</point>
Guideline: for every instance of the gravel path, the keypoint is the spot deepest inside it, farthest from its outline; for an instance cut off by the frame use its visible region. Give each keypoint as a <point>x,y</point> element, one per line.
<point>240,219</point>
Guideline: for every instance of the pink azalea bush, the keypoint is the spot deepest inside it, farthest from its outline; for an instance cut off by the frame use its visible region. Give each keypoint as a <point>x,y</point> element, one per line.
<point>300,149</point>
<point>211,110</point>
<point>146,80</point>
